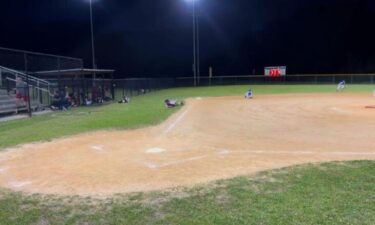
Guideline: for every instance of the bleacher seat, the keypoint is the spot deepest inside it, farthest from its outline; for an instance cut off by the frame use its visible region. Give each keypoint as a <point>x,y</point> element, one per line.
<point>9,104</point>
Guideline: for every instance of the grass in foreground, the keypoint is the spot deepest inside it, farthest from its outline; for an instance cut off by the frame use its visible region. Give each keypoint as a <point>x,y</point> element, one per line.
<point>330,193</point>
<point>143,111</point>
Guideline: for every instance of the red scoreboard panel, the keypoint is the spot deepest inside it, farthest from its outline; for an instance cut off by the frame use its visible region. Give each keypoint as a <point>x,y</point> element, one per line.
<point>276,71</point>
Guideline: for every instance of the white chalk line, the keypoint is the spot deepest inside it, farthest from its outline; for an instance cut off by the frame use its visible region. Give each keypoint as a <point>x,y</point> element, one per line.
<point>176,122</point>
<point>350,153</point>
<point>183,161</point>
<point>155,150</point>
<point>3,170</point>
<point>163,165</point>
<point>226,152</point>
<point>98,148</point>
<point>19,184</point>
<point>338,110</point>
<point>255,152</point>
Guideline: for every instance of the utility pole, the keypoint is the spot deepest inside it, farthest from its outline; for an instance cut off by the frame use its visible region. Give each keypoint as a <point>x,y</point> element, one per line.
<point>194,46</point>
<point>27,86</point>
<point>92,39</point>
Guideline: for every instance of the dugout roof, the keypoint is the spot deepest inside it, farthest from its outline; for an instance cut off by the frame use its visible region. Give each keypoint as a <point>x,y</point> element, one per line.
<point>75,73</point>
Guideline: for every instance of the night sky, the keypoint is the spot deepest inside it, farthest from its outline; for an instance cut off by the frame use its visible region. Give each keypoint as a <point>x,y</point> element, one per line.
<point>154,37</point>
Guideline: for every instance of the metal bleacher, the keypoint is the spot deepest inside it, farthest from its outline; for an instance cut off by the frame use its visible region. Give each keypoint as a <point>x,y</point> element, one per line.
<point>19,64</point>
<point>9,104</point>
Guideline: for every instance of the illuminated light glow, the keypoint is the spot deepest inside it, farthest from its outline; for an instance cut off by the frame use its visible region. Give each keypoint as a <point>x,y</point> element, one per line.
<point>275,73</point>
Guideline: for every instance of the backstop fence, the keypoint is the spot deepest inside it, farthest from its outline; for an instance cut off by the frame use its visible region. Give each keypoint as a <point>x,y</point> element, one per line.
<point>29,62</point>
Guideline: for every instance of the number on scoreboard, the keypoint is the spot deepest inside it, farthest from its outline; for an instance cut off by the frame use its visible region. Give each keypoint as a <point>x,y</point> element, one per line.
<point>276,71</point>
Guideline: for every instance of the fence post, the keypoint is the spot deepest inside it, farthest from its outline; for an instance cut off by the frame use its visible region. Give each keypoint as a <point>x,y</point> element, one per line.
<point>210,72</point>
<point>27,86</point>
<point>123,88</point>
<point>25,61</point>
<point>48,95</point>
<point>39,91</point>
<point>8,87</point>
<point>28,96</point>
<point>113,86</point>
<point>102,87</point>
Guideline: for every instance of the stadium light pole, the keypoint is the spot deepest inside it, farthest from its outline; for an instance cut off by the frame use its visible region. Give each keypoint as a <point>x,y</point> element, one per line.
<point>196,66</point>
<point>92,39</point>
<point>198,50</point>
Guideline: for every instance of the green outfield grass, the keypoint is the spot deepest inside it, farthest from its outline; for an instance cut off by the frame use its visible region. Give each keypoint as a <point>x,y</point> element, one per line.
<point>331,193</point>
<point>143,111</point>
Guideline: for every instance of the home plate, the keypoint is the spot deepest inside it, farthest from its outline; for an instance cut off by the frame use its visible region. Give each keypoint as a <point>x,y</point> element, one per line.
<point>155,150</point>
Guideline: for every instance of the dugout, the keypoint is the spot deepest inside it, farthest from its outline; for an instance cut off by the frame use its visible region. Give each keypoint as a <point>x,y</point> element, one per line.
<point>94,84</point>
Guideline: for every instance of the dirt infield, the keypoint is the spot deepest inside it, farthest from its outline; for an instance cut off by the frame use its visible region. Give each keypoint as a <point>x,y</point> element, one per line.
<point>208,139</point>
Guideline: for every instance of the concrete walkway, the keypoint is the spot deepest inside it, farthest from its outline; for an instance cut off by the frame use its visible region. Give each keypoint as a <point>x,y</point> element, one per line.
<point>23,116</point>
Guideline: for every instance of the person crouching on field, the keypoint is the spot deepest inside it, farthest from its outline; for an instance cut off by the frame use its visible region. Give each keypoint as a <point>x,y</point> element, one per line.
<point>249,94</point>
<point>341,86</point>
<point>170,103</point>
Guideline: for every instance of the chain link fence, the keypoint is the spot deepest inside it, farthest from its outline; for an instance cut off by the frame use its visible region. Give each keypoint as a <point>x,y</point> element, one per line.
<point>288,79</point>
<point>30,62</point>
<point>105,90</point>
<point>99,91</point>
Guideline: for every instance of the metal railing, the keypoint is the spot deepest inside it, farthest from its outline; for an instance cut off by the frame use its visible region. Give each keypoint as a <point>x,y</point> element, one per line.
<point>38,89</point>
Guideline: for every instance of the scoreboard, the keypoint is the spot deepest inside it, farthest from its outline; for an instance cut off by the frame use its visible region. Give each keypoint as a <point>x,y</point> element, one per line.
<point>275,71</point>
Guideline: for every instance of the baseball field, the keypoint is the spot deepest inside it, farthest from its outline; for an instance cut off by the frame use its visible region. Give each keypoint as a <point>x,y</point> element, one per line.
<point>295,154</point>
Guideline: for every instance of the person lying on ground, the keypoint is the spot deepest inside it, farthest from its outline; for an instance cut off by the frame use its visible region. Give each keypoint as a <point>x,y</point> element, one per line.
<point>170,103</point>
